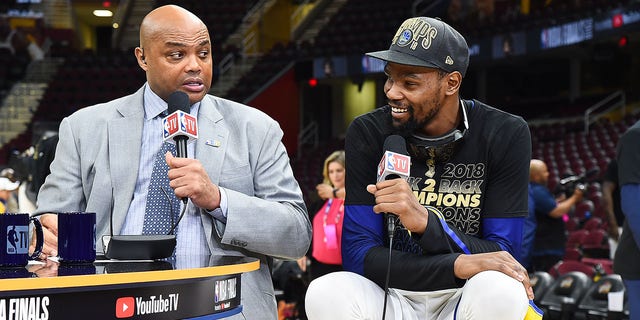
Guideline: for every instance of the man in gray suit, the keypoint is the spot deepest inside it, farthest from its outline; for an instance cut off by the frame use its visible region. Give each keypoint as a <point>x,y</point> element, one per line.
<point>244,199</point>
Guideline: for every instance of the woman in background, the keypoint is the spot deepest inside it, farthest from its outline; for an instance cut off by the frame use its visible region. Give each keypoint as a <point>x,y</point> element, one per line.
<point>327,218</point>
<point>326,215</point>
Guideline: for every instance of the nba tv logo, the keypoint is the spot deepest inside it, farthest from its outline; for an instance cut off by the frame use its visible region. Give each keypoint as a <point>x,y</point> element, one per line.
<point>17,239</point>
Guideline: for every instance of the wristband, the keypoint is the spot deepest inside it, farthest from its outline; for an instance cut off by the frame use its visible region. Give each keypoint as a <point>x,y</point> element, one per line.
<point>334,193</point>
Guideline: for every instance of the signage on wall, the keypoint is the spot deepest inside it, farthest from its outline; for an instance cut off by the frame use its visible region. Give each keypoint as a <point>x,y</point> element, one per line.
<point>566,34</point>
<point>616,19</point>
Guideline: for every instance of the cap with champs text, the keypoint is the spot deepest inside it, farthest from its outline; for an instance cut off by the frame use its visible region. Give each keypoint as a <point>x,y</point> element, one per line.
<point>427,42</point>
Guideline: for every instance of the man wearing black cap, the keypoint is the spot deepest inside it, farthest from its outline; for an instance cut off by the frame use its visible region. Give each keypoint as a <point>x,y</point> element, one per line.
<point>461,210</point>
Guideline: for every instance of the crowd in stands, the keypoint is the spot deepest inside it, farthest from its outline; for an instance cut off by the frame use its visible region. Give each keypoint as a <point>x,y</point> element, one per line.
<point>14,54</point>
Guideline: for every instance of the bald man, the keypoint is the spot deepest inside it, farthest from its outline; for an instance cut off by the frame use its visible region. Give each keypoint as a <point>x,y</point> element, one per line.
<point>550,238</point>
<point>243,197</point>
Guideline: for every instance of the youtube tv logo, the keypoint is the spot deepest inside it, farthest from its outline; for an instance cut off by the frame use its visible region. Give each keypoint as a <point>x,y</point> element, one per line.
<point>125,307</point>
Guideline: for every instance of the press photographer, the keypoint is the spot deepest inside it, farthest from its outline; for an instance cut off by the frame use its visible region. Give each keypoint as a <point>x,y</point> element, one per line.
<point>549,211</point>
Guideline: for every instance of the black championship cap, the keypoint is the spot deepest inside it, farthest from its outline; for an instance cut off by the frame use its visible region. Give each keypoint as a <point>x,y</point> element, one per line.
<point>427,42</point>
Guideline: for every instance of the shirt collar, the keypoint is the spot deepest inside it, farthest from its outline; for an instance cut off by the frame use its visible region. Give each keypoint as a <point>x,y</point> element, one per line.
<point>154,105</point>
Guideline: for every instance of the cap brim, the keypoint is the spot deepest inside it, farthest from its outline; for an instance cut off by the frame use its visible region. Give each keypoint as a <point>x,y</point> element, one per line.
<point>401,58</point>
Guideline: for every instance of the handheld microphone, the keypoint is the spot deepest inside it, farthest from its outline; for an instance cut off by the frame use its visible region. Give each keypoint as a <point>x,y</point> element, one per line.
<point>179,126</point>
<point>395,163</point>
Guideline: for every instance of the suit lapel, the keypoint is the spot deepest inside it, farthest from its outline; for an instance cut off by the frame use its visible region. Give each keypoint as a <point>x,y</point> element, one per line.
<point>125,135</point>
<point>212,138</point>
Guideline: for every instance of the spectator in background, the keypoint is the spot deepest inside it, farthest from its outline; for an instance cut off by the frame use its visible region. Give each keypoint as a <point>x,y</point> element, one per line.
<point>331,213</point>
<point>611,204</point>
<point>529,232</point>
<point>31,167</point>
<point>550,236</point>
<point>43,154</point>
<point>13,203</point>
<point>324,255</point>
<point>626,262</point>
<point>35,52</point>
<point>6,193</point>
<point>6,35</point>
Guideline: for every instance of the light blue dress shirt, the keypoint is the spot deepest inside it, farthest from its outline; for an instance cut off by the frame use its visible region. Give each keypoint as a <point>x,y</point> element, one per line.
<point>190,233</point>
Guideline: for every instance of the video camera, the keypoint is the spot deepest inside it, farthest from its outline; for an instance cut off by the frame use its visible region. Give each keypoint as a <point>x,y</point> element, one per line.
<point>22,164</point>
<point>569,183</point>
<point>32,164</point>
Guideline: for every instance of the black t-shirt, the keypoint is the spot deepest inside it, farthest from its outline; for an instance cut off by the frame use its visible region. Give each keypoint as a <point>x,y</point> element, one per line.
<point>626,262</point>
<point>612,175</point>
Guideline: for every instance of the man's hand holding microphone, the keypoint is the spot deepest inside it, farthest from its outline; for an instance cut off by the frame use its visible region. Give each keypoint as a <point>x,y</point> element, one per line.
<point>395,198</point>
<point>393,195</point>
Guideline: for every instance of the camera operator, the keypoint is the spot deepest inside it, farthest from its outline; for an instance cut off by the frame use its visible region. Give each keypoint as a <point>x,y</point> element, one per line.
<point>30,167</point>
<point>550,238</point>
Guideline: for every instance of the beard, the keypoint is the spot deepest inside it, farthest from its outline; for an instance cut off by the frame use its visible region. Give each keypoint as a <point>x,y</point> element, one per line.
<point>407,128</point>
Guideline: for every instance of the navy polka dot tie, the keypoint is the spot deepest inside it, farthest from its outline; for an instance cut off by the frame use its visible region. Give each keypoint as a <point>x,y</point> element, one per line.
<point>162,204</point>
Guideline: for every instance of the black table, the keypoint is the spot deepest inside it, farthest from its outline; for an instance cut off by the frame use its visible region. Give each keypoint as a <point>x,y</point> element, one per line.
<point>184,287</point>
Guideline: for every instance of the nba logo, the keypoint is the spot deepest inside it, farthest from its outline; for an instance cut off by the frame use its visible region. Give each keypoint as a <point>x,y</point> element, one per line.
<point>391,161</point>
<point>170,125</point>
<point>17,239</point>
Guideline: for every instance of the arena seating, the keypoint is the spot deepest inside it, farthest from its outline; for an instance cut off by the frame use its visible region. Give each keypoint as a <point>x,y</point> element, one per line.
<point>85,79</point>
<point>573,295</point>
<point>576,238</point>
<point>264,70</point>
<point>601,265</point>
<point>572,253</point>
<point>562,298</point>
<point>221,17</point>
<point>308,168</point>
<point>540,281</point>
<point>361,26</point>
<point>596,244</point>
<point>594,304</point>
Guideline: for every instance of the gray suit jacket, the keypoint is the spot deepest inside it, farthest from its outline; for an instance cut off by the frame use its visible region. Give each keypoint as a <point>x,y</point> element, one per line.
<point>95,170</point>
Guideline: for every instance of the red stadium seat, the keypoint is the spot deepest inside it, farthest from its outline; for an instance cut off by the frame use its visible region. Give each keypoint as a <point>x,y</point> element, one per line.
<point>605,264</point>
<point>576,238</point>
<point>572,224</point>
<point>563,267</point>
<point>595,237</point>
<point>583,210</point>
<point>572,253</point>
<point>592,224</point>
<point>596,244</point>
